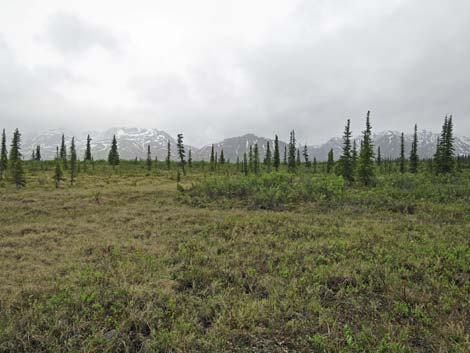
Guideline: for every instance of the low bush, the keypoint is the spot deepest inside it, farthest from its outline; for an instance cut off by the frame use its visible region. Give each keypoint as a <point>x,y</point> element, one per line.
<point>270,191</point>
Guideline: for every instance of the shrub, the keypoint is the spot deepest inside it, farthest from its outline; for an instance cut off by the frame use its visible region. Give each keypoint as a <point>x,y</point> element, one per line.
<point>270,191</point>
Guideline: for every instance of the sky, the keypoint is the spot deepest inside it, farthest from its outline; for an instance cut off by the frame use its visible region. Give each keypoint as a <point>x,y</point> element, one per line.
<point>213,69</point>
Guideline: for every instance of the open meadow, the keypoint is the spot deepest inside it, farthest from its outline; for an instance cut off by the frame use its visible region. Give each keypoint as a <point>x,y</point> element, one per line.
<point>126,261</point>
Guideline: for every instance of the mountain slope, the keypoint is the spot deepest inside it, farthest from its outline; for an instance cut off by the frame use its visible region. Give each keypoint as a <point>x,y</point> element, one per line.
<point>133,143</point>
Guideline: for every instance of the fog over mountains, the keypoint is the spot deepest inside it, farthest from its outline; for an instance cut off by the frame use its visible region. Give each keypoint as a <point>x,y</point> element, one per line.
<point>133,143</point>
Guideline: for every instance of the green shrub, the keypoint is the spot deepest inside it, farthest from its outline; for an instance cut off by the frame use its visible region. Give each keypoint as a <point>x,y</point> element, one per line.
<point>270,191</point>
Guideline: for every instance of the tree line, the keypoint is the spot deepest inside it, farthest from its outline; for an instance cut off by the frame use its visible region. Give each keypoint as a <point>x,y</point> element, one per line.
<point>354,165</point>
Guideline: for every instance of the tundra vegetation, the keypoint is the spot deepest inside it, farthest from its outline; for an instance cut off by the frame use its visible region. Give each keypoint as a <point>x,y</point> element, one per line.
<point>361,254</point>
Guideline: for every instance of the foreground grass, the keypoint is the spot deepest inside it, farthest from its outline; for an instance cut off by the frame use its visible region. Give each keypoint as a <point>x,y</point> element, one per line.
<point>120,264</point>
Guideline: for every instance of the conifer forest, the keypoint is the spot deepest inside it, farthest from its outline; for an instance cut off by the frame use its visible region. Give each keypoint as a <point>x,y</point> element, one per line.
<point>272,252</point>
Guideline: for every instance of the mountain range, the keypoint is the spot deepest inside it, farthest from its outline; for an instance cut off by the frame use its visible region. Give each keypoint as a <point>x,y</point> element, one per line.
<point>133,143</point>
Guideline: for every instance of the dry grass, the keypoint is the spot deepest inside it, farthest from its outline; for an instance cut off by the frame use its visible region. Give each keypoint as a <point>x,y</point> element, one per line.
<point>118,264</point>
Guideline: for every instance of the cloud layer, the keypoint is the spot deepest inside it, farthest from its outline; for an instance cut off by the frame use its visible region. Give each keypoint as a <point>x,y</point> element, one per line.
<point>213,69</point>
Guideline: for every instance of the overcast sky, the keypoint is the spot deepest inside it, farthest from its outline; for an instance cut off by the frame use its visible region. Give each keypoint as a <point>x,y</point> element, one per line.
<point>215,68</point>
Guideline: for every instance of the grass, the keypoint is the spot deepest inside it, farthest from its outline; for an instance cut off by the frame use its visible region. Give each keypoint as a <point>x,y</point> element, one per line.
<point>123,263</point>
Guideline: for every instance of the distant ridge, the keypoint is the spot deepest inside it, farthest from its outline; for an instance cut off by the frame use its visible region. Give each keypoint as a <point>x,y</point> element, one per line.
<point>133,143</point>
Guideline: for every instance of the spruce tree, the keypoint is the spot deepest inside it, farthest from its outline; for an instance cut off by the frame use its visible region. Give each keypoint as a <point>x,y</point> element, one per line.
<point>3,156</point>
<point>330,163</point>
<point>414,152</point>
<point>314,164</point>
<point>73,162</point>
<point>402,153</point>
<point>245,164</point>
<point>63,153</point>
<point>305,155</point>
<point>38,153</point>
<point>212,159</point>
<point>58,173</point>
<point>181,152</point>
<point>88,149</point>
<point>190,159</point>
<point>16,162</point>
<point>33,154</point>
<point>148,162</point>
<point>113,156</point>
<point>379,156</point>
<point>277,156</point>
<point>346,160</point>
<point>268,157</point>
<point>168,155</point>
<point>222,158</point>
<point>366,155</point>
<point>291,163</point>
<point>256,160</point>
<point>447,160</point>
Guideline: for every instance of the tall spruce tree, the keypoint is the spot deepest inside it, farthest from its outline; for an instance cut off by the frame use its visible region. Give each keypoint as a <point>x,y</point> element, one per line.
<point>148,162</point>
<point>212,159</point>
<point>181,153</point>
<point>366,155</point>
<point>256,167</point>
<point>330,163</point>
<point>305,155</point>
<point>445,152</point>
<point>379,156</point>
<point>63,153</point>
<point>38,153</point>
<point>88,149</point>
<point>291,163</point>
<point>190,159</point>
<point>402,153</point>
<point>113,156</point>
<point>277,156</point>
<point>414,152</point>
<point>3,156</point>
<point>245,164</point>
<point>73,162</point>
<point>16,161</point>
<point>346,159</point>
<point>222,157</point>
<point>268,160</point>
<point>168,155</point>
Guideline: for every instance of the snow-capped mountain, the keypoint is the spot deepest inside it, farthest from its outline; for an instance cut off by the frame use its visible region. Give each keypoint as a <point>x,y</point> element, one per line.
<point>389,143</point>
<point>133,142</point>
<point>234,147</point>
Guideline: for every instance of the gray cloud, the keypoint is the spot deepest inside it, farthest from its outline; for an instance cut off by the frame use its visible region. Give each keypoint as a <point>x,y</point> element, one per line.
<point>310,70</point>
<point>26,100</point>
<point>72,34</point>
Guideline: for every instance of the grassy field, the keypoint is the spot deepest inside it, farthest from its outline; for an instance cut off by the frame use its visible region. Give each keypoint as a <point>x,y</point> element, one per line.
<point>122,262</point>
